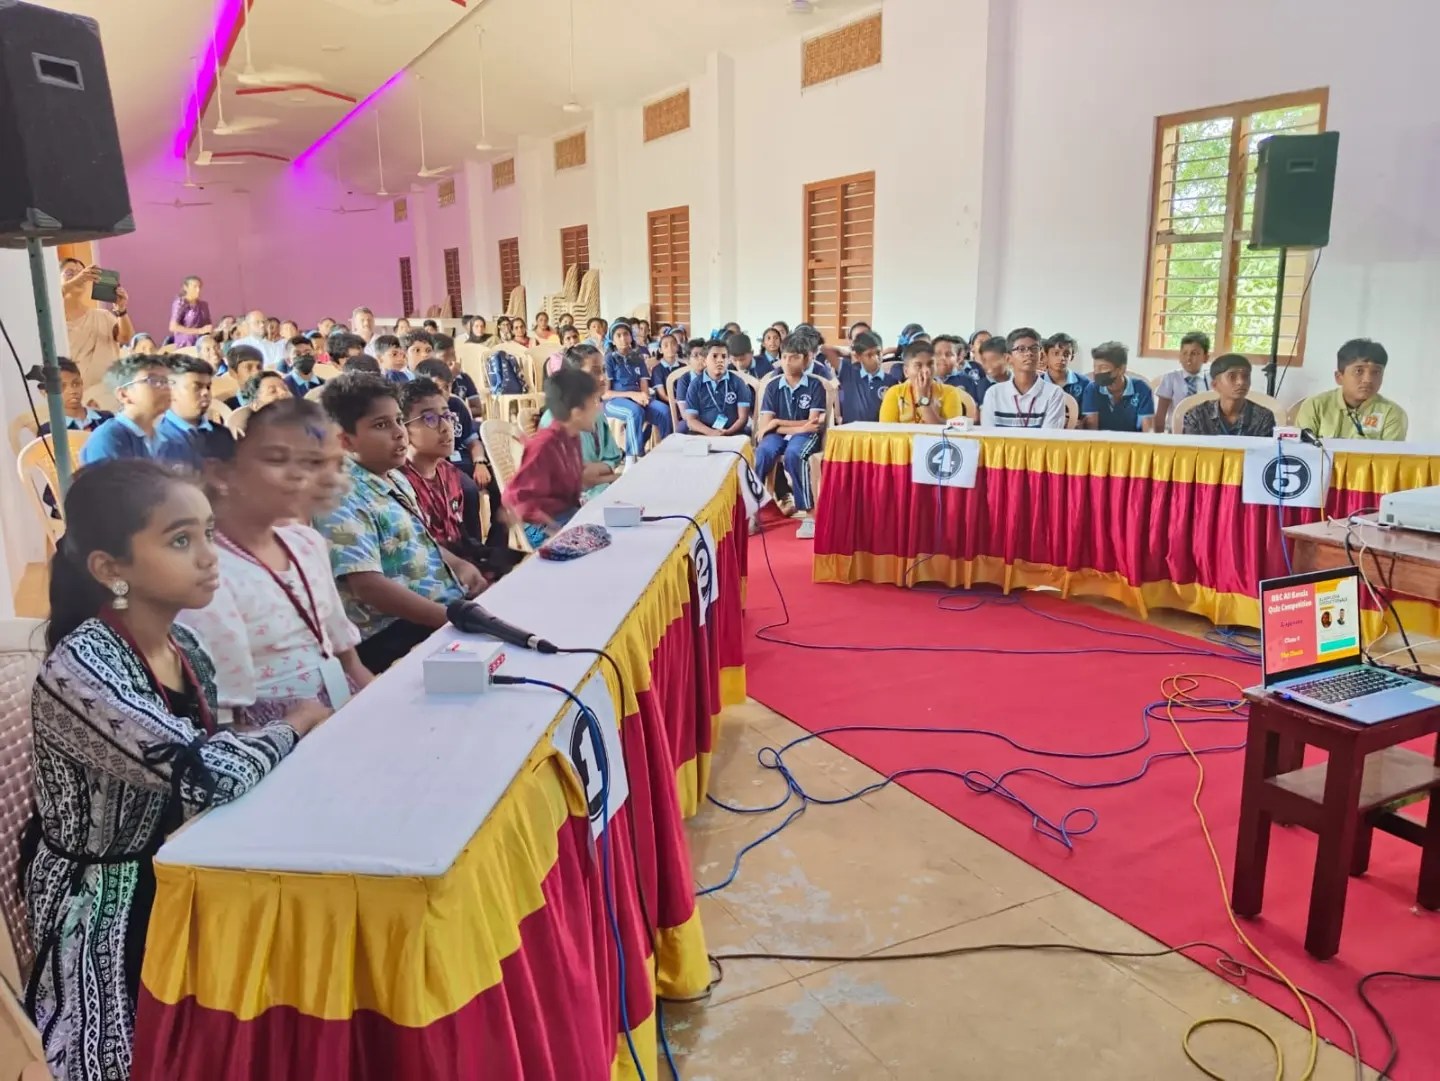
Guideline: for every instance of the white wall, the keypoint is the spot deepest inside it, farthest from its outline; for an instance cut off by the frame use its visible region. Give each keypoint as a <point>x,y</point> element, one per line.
<point>1077,170</point>
<point>552,201</point>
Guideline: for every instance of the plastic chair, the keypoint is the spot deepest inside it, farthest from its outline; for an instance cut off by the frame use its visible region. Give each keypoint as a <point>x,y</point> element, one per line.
<point>22,431</point>
<point>972,411</point>
<point>504,443</point>
<point>1184,405</point>
<point>238,420</point>
<point>675,411</point>
<point>36,466</point>
<point>509,406</point>
<point>224,386</point>
<point>326,371</point>
<point>1072,411</point>
<point>22,648</point>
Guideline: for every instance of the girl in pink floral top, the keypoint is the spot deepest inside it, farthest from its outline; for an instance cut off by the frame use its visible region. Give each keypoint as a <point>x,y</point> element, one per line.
<point>276,628</point>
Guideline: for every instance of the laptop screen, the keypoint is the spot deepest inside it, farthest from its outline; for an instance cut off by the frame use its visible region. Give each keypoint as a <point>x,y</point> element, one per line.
<point>1310,621</point>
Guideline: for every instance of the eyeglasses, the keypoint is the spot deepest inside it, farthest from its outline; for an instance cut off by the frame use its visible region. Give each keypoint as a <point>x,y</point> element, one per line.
<point>1026,350</point>
<point>158,382</point>
<point>432,420</point>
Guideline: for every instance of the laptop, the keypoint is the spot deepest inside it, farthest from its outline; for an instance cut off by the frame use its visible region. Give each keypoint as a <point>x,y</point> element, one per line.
<point>1310,650</point>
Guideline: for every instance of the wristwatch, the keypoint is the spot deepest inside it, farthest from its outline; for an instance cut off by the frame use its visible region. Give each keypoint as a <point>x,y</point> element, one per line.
<point>923,401</point>
<point>119,313</point>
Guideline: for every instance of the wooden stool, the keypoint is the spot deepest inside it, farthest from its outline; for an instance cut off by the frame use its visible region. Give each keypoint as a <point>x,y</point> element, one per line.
<point>1342,801</point>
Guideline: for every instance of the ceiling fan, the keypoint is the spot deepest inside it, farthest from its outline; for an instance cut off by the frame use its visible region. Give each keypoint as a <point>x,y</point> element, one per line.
<point>243,126</point>
<point>380,157</point>
<point>340,193</point>
<point>276,76</point>
<point>181,204</point>
<point>202,156</point>
<point>438,170</point>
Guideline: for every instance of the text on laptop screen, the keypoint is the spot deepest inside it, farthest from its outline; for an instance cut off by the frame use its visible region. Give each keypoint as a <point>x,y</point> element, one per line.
<point>1310,623</point>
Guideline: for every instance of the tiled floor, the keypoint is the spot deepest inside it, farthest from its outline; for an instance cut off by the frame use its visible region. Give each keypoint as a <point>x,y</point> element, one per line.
<point>890,873</point>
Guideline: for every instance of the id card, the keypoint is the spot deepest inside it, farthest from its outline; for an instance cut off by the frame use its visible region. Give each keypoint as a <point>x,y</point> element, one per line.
<point>721,422</point>
<point>337,686</point>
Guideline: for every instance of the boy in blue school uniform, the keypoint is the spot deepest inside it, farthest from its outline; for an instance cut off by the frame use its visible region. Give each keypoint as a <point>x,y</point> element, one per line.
<point>741,353</point>
<point>717,401</point>
<point>1115,402</point>
<point>669,363</point>
<point>696,349</point>
<point>1058,351</point>
<point>300,375</point>
<point>79,417</point>
<point>629,395</point>
<point>862,381</point>
<point>792,426</point>
<point>950,365</point>
<point>141,384</point>
<point>186,435</point>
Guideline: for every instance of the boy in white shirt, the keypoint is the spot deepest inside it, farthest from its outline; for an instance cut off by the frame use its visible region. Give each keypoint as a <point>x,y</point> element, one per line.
<point>1025,400</point>
<point>1191,377</point>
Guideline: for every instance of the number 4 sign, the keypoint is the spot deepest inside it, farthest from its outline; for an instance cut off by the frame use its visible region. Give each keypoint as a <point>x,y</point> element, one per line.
<point>575,740</point>
<point>1289,474</point>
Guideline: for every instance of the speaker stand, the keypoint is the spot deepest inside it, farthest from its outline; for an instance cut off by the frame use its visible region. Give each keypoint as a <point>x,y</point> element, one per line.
<point>1272,370</point>
<point>59,433</point>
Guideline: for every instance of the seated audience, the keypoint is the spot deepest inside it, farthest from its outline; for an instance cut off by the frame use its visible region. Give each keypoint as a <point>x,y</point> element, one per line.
<point>428,413</point>
<point>186,435</point>
<point>863,383</point>
<point>362,325</point>
<point>641,330</point>
<point>143,345</point>
<point>504,372</point>
<point>768,359</point>
<point>597,328</point>
<point>394,578</point>
<point>1189,378</point>
<point>141,384</point>
<point>207,348</point>
<point>258,338</point>
<point>126,749</point>
<point>301,378</point>
<point>504,329</point>
<point>950,365</point>
<point>318,343</point>
<point>1116,402</point>
<point>431,327</point>
<point>1231,413</point>
<point>289,330</point>
<point>390,355</point>
<point>342,345</point>
<point>1355,409</point>
<point>272,329</point>
<point>259,391</point>
<point>741,352</point>
<point>518,333</point>
<point>402,327</point>
<point>277,627</point>
<point>546,490</point>
<point>569,338</point>
<point>974,366</point>
<point>717,401</point>
<point>325,326</point>
<point>628,398</point>
<point>468,454</point>
<point>921,398</point>
<point>362,362</point>
<point>477,333</point>
<point>668,364</point>
<point>857,329</point>
<point>1059,352</point>
<point>602,455</point>
<point>565,320</point>
<point>543,334</point>
<point>419,347</point>
<point>792,425</point>
<point>460,384</point>
<point>79,417</point>
<point>1024,400</point>
<point>243,363</point>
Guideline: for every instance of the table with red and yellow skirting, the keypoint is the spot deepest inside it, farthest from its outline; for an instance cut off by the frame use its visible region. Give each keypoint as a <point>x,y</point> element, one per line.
<point>1152,521</point>
<point>417,893</point>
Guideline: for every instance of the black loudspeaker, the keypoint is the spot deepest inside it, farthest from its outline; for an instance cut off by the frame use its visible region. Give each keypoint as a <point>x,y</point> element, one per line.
<point>62,179</point>
<point>1294,190</point>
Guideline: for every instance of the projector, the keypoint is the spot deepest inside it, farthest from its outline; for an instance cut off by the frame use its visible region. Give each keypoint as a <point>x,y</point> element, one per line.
<point>1419,508</point>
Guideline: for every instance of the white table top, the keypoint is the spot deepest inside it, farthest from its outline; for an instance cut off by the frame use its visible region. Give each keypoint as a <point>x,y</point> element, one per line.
<point>397,782</point>
<point>1211,442</point>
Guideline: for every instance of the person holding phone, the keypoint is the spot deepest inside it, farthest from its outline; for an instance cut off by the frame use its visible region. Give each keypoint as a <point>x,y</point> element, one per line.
<point>95,334</point>
<point>189,315</point>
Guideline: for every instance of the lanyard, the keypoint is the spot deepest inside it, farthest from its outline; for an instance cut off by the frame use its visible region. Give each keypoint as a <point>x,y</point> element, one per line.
<point>207,719</point>
<point>309,616</point>
<point>717,400</point>
<point>1355,420</point>
<point>1029,412</point>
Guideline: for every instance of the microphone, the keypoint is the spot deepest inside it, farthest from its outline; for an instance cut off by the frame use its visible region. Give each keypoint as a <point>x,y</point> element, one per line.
<point>470,618</point>
<point>1307,435</point>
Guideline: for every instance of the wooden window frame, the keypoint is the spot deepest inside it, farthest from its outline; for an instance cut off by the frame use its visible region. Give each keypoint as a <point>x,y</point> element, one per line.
<point>673,313</point>
<point>1240,112</point>
<point>455,295</point>
<point>407,287</point>
<point>576,231</point>
<point>507,288</point>
<point>806,266</point>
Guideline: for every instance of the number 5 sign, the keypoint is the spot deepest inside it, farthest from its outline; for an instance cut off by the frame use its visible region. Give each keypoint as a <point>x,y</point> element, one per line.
<point>575,740</point>
<point>1289,474</point>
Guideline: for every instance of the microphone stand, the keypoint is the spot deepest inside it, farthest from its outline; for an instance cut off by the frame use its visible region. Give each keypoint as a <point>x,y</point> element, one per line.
<point>1273,368</point>
<point>59,433</point>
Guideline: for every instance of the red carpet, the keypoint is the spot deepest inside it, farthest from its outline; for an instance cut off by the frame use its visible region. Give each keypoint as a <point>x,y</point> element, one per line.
<point>1146,860</point>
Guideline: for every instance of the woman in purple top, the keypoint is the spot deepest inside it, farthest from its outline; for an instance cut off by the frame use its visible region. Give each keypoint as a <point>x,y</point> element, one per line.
<point>189,315</point>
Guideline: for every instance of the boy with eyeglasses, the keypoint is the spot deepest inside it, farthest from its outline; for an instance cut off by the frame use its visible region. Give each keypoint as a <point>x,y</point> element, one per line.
<point>141,385</point>
<point>1024,400</point>
<point>428,415</point>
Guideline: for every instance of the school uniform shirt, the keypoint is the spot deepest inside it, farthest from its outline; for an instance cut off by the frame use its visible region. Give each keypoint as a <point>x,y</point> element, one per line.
<point>1206,419</point>
<point>398,376</point>
<point>118,437</point>
<point>785,402</point>
<point>466,435</point>
<point>960,381</point>
<point>716,403</point>
<point>898,406</point>
<point>1179,384</point>
<point>820,370</point>
<point>549,478</point>
<point>1042,406</point>
<point>1329,417</point>
<point>1125,415</point>
<point>626,371</point>
<point>92,420</point>
<point>378,527</point>
<point>301,387</point>
<point>179,441</point>
<point>682,385</point>
<point>463,387</point>
<point>503,371</point>
<point>1074,384</point>
<point>763,365</point>
<point>983,383</point>
<point>862,391</point>
<point>661,372</point>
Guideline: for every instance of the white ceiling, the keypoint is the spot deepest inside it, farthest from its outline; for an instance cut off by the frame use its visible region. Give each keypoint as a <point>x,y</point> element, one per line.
<point>625,51</point>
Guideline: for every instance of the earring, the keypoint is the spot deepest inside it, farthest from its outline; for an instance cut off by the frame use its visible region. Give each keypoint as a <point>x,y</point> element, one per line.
<point>121,589</point>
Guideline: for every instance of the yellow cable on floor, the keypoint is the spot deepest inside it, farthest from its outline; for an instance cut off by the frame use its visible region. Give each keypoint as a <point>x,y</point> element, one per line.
<point>1177,690</point>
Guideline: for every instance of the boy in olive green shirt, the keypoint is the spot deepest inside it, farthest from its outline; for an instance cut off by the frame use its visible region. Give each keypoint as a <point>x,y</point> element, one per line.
<point>1355,408</point>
